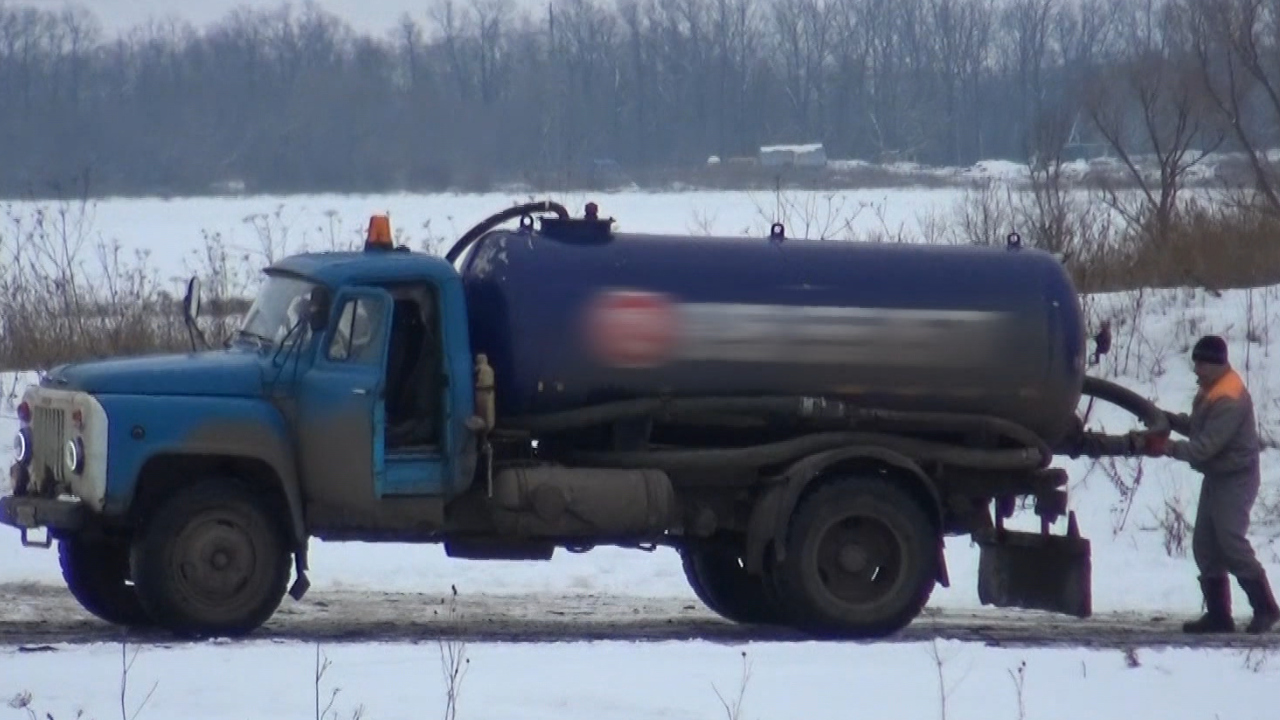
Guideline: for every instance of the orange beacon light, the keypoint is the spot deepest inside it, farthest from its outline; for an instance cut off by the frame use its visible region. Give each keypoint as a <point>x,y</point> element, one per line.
<point>379,235</point>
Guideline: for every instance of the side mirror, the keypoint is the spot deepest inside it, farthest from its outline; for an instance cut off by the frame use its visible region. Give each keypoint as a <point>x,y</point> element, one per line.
<point>191,303</point>
<point>318,309</point>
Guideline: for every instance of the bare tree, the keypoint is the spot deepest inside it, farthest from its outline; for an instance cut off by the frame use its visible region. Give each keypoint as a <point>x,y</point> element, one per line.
<point>463,92</point>
<point>1234,45</point>
<point>1150,107</point>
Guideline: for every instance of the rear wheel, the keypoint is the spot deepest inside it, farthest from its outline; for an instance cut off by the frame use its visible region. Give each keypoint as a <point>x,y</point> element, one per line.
<point>96,571</point>
<point>213,560</point>
<point>716,572</point>
<point>861,559</point>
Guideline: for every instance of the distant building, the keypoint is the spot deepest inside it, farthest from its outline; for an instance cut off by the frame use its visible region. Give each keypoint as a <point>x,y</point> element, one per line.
<point>228,187</point>
<point>811,155</point>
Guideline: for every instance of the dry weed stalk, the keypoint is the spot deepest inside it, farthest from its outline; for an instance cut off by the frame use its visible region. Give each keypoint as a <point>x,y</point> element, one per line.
<point>1019,678</point>
<point>126,664</point>
<point>944,692</point>
<point>1172,524</point>
<point>453,664</point>
<point>733,711</point>
<point>322,666</point>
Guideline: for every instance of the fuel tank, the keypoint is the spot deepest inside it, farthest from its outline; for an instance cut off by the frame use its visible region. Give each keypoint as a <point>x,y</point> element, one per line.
<point>571,314</point>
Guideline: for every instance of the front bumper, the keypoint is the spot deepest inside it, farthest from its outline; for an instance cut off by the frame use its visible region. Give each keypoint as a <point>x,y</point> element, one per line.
<point>31,512</point>
<point>27,513</point>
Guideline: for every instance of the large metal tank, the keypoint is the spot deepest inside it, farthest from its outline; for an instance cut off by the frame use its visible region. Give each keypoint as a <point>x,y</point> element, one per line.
<point>572,315</point>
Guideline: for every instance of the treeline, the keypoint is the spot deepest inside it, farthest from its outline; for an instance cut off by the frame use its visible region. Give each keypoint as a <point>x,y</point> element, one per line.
<point>464,93</point>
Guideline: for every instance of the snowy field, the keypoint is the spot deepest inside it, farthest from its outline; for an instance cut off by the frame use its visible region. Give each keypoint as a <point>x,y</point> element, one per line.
<point>1123,507</point>
<point>654,681</point>
<point>173,231</point>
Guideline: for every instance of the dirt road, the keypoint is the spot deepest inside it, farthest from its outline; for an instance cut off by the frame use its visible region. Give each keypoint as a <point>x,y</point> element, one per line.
<point>34,615</point>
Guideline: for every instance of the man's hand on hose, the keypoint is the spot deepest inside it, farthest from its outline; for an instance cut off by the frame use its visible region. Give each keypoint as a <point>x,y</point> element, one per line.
<point>1144,442</point>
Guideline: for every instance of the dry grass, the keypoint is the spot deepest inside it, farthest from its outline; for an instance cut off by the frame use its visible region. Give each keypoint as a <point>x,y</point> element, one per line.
<point>1108,239</point>
<point>1217,241</point>
<point>1217,246</point>
<point>67,294</point>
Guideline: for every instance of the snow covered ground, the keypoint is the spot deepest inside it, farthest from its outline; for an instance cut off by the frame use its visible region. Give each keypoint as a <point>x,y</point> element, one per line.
<point>1207,168</point>
<point>650,681</point>
<point>1133,568</point>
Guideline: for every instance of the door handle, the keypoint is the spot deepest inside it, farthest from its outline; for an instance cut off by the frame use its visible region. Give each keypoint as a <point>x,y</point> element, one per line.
<point>359,391</point>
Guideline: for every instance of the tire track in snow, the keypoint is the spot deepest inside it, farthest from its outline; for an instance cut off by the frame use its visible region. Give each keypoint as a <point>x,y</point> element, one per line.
<point>36,615</point>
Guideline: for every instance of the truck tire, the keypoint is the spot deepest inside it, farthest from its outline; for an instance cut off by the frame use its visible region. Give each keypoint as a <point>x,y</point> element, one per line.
<point>97,574</point>
<point>211,561</point>
<point>861,559</point>
<point>726,588</point>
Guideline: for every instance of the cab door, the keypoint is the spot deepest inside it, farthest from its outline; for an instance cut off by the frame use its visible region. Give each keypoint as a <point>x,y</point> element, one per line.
<point>419,464</point>
<point>340,400</point>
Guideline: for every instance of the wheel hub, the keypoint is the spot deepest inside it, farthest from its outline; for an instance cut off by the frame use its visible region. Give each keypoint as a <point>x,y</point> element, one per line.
<point>853,558</point>
<point>859,559</point>
<point>221,560</point>
<point>216,559</point>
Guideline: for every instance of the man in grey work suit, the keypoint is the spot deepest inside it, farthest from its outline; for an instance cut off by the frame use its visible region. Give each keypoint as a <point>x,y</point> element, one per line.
<point>1223,445</point>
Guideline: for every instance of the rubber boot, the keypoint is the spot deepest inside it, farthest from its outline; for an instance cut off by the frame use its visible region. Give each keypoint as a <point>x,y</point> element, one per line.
<point>1265,612</point>
<point>1217,603</point>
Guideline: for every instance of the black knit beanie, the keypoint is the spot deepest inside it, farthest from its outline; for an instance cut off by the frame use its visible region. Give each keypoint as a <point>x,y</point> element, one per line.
<point>1210,349</point>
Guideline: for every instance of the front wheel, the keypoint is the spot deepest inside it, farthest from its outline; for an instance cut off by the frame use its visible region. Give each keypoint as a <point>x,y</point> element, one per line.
<point>212,561</point>
<point>861,560</point>
<point>97,574</point>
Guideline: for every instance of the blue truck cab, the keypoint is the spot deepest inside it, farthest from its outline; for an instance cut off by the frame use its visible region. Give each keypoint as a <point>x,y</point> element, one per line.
<point>340,408</point>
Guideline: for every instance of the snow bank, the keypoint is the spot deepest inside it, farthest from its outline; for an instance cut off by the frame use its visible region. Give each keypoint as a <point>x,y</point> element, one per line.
<point>657,681</point>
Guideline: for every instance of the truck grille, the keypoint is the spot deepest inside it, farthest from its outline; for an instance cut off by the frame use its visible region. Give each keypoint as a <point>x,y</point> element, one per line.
<point>47,430</point>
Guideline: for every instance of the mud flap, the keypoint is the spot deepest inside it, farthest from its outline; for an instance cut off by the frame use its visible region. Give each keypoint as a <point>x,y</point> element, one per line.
<point>1036,571</point>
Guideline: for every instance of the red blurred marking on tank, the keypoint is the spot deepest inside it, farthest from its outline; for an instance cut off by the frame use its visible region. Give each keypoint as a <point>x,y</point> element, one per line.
<point>632,328</point>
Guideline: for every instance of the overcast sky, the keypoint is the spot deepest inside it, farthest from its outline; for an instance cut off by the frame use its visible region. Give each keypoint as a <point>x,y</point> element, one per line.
<point>368,16</point>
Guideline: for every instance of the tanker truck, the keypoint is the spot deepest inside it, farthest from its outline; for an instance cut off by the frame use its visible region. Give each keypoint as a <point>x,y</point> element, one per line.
<point>803,422</point>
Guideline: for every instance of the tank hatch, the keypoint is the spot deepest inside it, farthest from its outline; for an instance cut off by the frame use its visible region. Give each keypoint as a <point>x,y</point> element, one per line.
<point>590,228</point>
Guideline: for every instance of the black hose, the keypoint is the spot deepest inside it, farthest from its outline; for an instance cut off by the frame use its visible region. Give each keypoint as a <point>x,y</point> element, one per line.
<point>1035,453</point>
<point>1096,445</point>
<point>1156,420</point>
<point>820,409</point>
<point>953,422</point>
<point>500,217</point>
<point>668,407</point>
<point>778,452</point>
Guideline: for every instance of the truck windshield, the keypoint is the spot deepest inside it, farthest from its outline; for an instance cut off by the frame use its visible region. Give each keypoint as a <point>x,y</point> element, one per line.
<point>279,306</point>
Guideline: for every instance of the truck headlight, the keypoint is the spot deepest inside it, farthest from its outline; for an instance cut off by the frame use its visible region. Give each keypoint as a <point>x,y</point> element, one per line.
<point>75,455</point>
<point>22,446</point>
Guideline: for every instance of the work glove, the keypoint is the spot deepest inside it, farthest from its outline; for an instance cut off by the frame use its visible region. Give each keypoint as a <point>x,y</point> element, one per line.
<point>1142,442</point>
